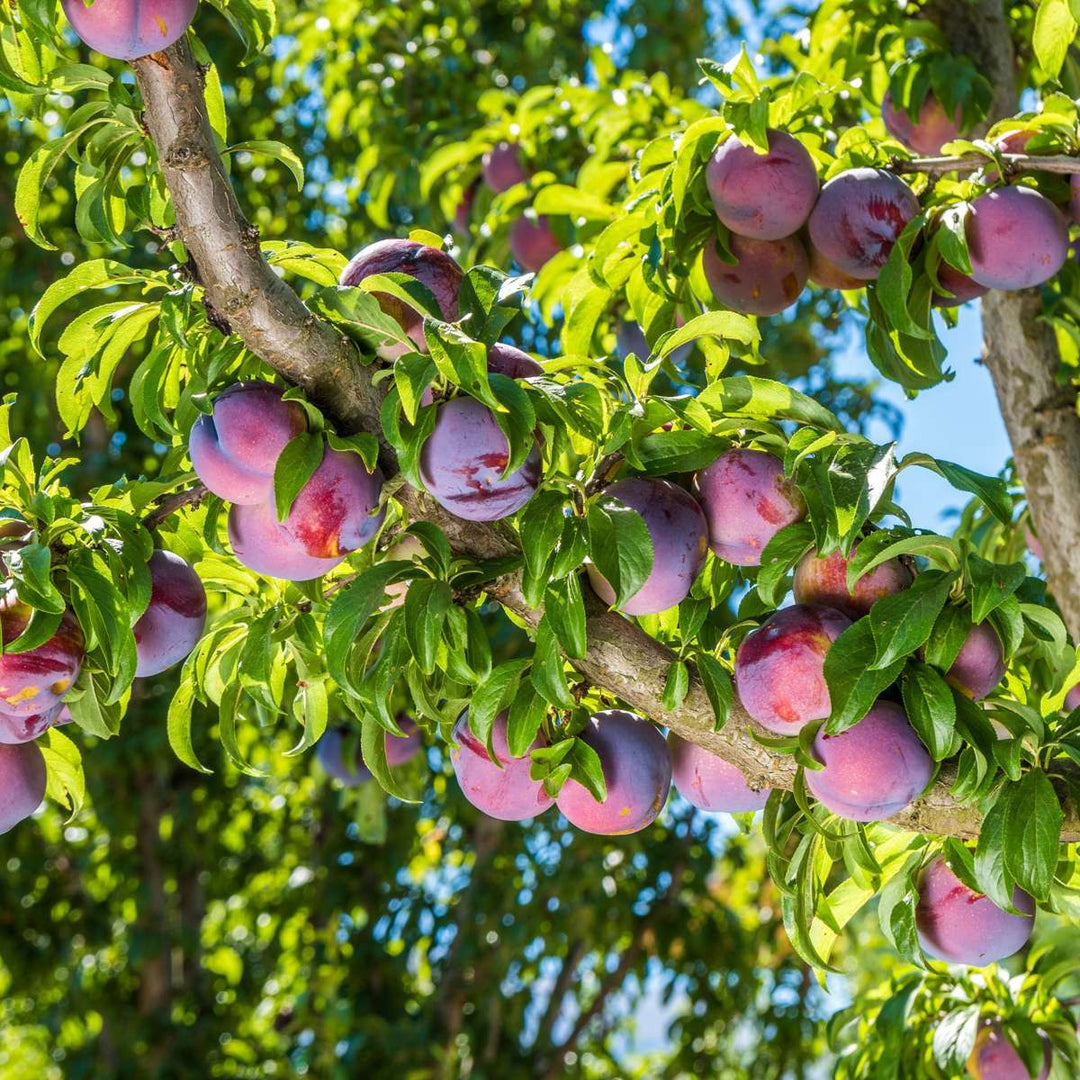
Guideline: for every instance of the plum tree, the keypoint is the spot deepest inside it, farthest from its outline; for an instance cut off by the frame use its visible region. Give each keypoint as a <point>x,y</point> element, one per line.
<point>763,196</point>
<point>767,276</point>
<point>637,770</point>
<point>680,539</point>
<point>827,275</point>
<point>993,1057</point>
<point>980,664</point>
<point>173,622</point>
<point>958,287</point>
<point>235,447</point>
<point>128,29</point>
<point>502,167</point>
<point>873,769</point>
<point>779,668</point>
<point>858,217</point>
<point>337,510</point>
<point>22,783</point>
<point>823,580</point>
<point>927,134</point>
<point>747,500</point>
<point>33,682</point>
<point>960,926</point>
<point>709,782</point>
<point>261,544</point>
<point>532,243</point>
<point>1016,238</point>
<point>21,729</point>
<point>400,749</point>
<point>462,464</point>
<point>431,267</point>
<point>501,788</point>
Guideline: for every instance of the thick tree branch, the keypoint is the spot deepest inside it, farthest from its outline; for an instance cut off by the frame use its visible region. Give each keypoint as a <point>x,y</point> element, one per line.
<point>1014,163</point>
<point>275,324</point>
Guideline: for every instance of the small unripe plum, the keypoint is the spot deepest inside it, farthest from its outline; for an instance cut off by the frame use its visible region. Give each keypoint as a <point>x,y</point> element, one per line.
<point>827,275</point>
<point>962,287</point>
<point>980,664</point>
<point>873,769</point>
<point>709,782</point>
<point>762,196</point>
<point>824,581</point>
<point>337,510</point>
<point>1016,238</point>
<point>430,266</point>
<point>22,783</point>
<point>502,167</point>
<point>747,500</point>
<point>504,791</point>
<point>532,243</point>
<point>234,449</point>
<point>128,29</point>
<point>927,135</point>
<point>768,276</point>
<point>858,217</point>
<point>462,462</point>
<point>33,682</point>
<point>780,667</point>
<point>637,770</point>
<point>173,622</point>
<point>514,363</point>
<point>680,539</point>
<point>261,544</point>
<point>21,729</point>
<point>959,926</point>
<point>994,1058</point>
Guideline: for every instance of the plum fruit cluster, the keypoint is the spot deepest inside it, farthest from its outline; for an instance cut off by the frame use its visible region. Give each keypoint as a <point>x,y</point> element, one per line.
<point>786,229</point>
<point>638,764</point>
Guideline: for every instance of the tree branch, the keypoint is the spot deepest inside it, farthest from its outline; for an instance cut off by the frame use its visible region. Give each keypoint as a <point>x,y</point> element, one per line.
<point>274,323</point>
<point>1014,163</point>
<point>169,505</point>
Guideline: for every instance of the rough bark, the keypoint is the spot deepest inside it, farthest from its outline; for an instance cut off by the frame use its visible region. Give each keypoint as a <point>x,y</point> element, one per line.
<point>276,325</point>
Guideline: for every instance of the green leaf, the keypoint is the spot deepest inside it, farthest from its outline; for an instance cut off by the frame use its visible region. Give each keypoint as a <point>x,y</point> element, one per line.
<point>990,869</point>
<point>902,622</point>
<point>896,911</point>
<point>527,712</point>
<point>587,769</point>
<point>276,150</point>
<point>1032,826</point>
<point>373,749</point>
<point>30,566</point>
<point>1054,32</point>
<point>302,455</point>
<point>676,685</point>
<point>717,682</point>
<point>426,605</point>
<point>765,399</point>
<point>991,490</point>
<point>493,695</point>
<point>854,684</point>
<point>564,608</point>
<point>178,722</point>
<point>954,1037</point>
<point>548,671</point>
<point>931,710</point>
<point>561,199</point>
<point>991,583</point>
<point>619,546</point>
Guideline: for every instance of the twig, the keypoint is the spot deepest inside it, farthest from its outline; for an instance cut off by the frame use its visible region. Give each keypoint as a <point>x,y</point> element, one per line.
<point>168,506</point>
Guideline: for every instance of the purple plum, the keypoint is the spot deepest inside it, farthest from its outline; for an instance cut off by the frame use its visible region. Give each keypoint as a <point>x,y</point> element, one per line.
<point>768,277</point>
<point>261,544</point>
<point>680,540</point>
<point>1016,238</point>
<point>33,682</point>
<point>709,782</point>
<point>128,29</point>
<point>502,167</point>
<point>994,1058</point>
<point>532,243</point>
<point>22,783</point>
<point>823,580</point>
<point>173,622</point>
<point>980,664</point>
<point>926,135</point>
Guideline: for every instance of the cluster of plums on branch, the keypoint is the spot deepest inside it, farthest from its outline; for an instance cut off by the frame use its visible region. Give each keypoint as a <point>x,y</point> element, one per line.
<point>786,231</point>
<point>235,449</point>
<point>33,683</point>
